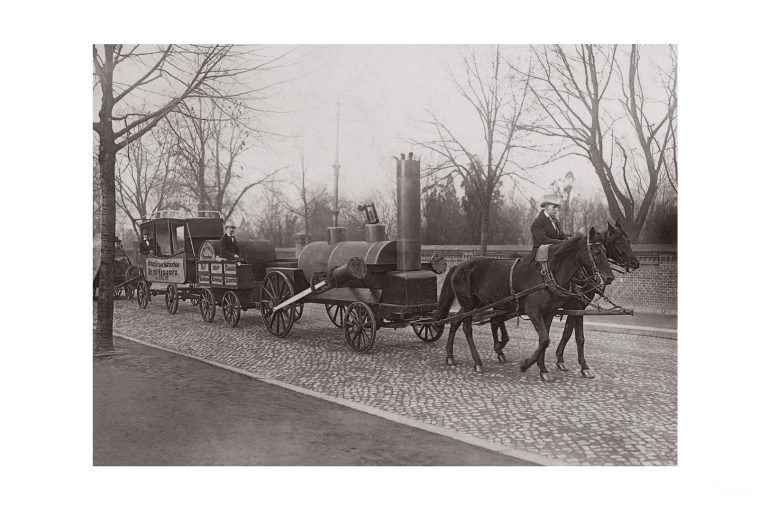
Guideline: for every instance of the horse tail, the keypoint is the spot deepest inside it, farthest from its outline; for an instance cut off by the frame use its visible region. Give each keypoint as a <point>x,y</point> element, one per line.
<point>447,295</point>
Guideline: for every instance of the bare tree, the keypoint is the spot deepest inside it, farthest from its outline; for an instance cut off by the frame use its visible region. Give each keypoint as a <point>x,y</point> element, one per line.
<point>145,176</point>
<point>309,197</point>
<point>136,87</point>
<point>210,138</point>
<point>571,88</point>
<point>499,98</point>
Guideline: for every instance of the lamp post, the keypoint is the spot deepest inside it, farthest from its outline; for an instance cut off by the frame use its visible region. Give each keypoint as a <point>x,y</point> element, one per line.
<point>336,233</point>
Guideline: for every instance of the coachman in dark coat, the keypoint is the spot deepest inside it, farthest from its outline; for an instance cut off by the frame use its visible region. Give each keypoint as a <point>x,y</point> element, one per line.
<point>546,228</point>
<point>229,248</point>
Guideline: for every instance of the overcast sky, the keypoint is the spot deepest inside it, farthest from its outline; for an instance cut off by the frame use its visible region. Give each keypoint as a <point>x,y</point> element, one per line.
<point>384,91</point>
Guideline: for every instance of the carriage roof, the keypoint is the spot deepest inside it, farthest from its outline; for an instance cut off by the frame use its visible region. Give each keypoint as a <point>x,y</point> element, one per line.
<point>201,224</point>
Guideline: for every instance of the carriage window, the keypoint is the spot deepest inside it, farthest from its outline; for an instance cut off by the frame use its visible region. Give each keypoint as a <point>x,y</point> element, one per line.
<point>163,239</point>
<point>178,241</point>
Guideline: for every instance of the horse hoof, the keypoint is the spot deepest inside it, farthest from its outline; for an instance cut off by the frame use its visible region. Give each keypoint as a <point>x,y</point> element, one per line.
<point>502,359</point>
<point>587,374</point>
<point>479,368</point>
<point>561,366</point>
<point>546,377</point>
<point>450,361</point>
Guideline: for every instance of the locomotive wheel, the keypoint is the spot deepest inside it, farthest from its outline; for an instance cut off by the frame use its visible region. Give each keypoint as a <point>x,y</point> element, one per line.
<point>428,333</point>
<point>275,289</point>
<point>230,308</point>
<point>336,313</point>
<point>207,305</point>
<point>172,299</point>
<point>360,327</point>
<point>142,294</point>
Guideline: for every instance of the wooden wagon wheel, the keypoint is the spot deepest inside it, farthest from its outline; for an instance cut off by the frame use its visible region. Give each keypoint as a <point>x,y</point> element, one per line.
<point>299,311</point>
<point>130,274</point>
<point>129,289</point>
<point>172,299</point>
<point>428,333</point>
<point>275,289</point>
<point>230,307</point>
<point>142,294</point>
<point>207,305</point>
<point>360,326</point>
<point>336,313</point>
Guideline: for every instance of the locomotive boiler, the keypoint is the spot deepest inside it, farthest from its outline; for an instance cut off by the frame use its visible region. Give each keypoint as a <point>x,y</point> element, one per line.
<point>393,288</point>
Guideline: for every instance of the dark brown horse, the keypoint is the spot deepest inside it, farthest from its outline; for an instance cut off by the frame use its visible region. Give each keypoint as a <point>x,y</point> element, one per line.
<point>481,281</point>
<point>619,252</point>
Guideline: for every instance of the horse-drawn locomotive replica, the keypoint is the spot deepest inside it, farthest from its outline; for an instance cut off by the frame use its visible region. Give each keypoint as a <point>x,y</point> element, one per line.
<point>373,283</point>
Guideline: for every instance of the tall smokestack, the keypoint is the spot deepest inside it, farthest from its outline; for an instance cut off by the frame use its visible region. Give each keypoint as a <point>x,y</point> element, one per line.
<point>408,213</point>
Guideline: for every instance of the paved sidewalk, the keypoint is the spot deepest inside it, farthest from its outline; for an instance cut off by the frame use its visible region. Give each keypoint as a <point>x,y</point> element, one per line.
<point>627,415</point>
<point>153,407</point>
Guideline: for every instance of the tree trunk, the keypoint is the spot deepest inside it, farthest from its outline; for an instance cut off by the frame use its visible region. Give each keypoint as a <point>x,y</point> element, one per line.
<point>484,213</point>
<point>105,305</point>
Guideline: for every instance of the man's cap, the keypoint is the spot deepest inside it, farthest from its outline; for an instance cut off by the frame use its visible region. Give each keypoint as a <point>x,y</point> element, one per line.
<point>550,199</point>
<point>229,224</point>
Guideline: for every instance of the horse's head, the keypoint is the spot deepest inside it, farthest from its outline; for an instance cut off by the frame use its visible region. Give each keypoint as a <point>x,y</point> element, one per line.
<point>597,256</point>
<point>618,248</point>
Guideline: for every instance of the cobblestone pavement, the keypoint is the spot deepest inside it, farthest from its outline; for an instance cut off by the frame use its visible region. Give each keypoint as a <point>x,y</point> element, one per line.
<point>627,415</point>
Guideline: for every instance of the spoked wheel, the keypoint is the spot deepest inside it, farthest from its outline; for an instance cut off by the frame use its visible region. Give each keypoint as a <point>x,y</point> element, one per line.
<point>299,311</point>
<point>336,313</point>
<point>360,326</point>
<point>275,289</point>
<point>142,294</point>
<point>129,289</point>
<point>230,307</point>
<point>428,333</point>
<point>194,298</point>
<point>207,305</point>
<point>172,299</point>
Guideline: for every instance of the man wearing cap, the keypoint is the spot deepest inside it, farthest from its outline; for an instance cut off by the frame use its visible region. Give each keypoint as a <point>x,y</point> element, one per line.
<point>146,246</point>
<point>229,248</point>
<point>545,228</point>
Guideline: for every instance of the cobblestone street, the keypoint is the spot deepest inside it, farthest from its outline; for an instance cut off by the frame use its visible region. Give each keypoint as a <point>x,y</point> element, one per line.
<point>627,415</point>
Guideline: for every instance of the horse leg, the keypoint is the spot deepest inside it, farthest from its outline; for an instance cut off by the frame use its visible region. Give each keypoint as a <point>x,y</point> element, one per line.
<point>496,325</point>
<point>541,362</point>
<point>570,323</point>
<point>585,372</point>
<point>539,324</point>
<point>449,360</point>
<point>468,333</point>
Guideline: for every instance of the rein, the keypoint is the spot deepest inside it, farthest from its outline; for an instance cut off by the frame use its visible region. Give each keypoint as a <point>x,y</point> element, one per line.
<point>595,279</point>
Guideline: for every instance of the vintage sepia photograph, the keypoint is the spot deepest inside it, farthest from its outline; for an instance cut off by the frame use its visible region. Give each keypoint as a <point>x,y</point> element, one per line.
<point>385,255</point>
<point>401,256</point>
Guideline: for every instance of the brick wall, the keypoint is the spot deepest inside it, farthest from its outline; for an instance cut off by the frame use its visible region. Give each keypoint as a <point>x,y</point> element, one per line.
<point>652,288</point>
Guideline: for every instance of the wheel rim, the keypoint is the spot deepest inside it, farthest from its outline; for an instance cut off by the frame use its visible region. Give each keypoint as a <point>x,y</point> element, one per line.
<point>428,333</point>
<point>275,289</point>
<point>230,307</point>
<point>360,327</point>
<point>172,299</point>
<point>142,294</point>
<point>207,305</point>
<point>336,313</point>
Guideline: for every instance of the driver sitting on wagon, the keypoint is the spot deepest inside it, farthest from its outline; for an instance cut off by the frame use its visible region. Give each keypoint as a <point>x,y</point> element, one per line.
<point>229,248</point>
<point>546,228</point>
